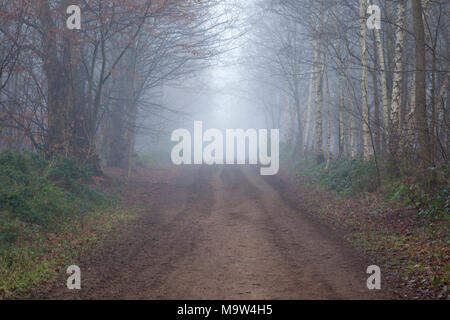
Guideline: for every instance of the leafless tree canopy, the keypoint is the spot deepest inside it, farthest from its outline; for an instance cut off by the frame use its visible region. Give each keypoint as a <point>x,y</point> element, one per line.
<point>334,86</point>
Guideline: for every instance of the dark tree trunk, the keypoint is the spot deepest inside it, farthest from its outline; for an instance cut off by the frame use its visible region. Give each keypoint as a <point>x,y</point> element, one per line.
<point>425,152</point>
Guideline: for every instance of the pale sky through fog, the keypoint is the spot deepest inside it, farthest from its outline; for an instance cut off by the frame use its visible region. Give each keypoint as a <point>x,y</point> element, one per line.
<point>223,96</point>
<point>232,106</point>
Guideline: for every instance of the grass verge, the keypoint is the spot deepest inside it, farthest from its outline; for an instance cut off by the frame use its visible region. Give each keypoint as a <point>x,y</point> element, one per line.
<point>50,212</point>
<point>412,241</point>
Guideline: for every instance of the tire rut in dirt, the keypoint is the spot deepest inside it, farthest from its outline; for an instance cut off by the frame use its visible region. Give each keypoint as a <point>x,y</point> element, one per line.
<point>135,257</point>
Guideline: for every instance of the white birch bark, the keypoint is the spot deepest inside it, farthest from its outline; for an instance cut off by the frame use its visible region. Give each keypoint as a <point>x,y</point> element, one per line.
<point>341,131</point>
<point>341,117</point>
<point>318,104</point>
<point>328,115</point>
<point>292,115</point>
<point>383,80</point>
<point>364,80</point>
<point>308,109</point>
<point>396,99</point>
<point>350,112</point>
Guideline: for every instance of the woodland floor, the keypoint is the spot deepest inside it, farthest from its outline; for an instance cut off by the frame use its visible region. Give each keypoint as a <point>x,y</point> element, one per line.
<point>219,233</point>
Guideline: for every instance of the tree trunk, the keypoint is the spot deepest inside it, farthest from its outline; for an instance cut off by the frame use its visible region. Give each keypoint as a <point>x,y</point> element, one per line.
<point>341,117</point>
<point>328,115</point>
<point>364,81</point>
<point>299,145</point>
<point>56,140</point>
<point>318,88</point>
<point>376,102</point>
<point>396,101</point>
<point>308,110</point>
<point>351,134</point>
<point>384,89</point>
<point>425,153</point>
<point>123,116</point>
<point>290,131</point>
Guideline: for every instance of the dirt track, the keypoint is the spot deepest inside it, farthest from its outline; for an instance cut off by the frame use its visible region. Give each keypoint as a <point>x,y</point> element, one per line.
<point>221,233</point>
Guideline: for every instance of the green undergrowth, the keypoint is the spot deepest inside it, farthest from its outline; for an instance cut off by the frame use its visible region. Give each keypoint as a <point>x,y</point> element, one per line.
<point>402,222</point>
<point>432,201</point>
<point>36,193</point>
<point>344,176</point>
<point>356,177</point>
<point>49,212</point>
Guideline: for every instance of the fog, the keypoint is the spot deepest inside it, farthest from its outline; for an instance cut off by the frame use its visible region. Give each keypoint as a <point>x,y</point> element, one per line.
<point>224,149</point>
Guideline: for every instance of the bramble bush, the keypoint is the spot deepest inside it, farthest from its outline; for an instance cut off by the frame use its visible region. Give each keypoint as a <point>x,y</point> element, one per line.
<point>431,202</point>
<point>342,176</point>
<point>356,176</point>
<point>36,192</point>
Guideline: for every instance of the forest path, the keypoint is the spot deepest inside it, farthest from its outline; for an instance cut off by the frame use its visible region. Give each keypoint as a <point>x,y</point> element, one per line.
<point>221,233</point>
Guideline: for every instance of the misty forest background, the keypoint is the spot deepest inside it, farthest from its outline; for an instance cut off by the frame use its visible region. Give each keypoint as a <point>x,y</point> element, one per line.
<point>364,109</point>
